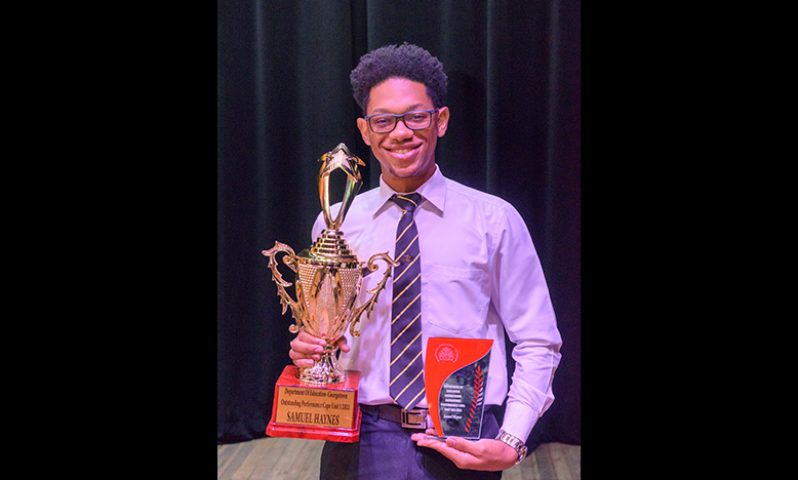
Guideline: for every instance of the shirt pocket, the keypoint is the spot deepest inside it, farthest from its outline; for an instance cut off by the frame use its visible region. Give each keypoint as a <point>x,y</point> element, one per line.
<point>454,299</point>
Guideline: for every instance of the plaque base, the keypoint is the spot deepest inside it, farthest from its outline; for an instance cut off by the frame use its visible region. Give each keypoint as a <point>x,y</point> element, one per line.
<point>315,412</point>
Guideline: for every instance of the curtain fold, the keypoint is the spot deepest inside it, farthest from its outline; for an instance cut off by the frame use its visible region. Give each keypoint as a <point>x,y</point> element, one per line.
<point>284,99</point>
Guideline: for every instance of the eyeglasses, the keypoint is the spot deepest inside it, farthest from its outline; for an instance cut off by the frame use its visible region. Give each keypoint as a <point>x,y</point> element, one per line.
<point>386,122</point>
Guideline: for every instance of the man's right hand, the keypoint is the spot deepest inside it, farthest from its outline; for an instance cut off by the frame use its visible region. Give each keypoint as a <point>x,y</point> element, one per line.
<point>307,349</point>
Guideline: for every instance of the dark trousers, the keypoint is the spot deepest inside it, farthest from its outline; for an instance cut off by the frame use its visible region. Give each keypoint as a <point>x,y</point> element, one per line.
<point>386,452</point>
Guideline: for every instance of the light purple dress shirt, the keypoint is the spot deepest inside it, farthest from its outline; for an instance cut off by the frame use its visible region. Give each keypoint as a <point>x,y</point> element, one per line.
<point>480,276</point>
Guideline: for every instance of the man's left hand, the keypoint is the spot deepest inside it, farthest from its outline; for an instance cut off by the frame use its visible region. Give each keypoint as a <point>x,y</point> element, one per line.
<point>484,454</point>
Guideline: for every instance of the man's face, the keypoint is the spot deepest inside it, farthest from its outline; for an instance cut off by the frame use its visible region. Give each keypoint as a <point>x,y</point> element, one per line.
<point>407,157</point>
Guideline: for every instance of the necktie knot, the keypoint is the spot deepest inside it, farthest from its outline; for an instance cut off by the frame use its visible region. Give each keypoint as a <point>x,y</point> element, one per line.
<point>408,201</point>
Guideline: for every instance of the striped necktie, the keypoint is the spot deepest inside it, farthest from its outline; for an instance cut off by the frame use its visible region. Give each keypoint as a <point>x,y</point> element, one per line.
<point>407,380</point>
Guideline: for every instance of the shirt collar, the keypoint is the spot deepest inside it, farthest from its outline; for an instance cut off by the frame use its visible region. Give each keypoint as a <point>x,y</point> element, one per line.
<point>433,190</point>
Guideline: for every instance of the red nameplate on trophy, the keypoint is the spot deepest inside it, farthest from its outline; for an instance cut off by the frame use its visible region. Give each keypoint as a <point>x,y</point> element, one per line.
<point>316,412</point>
<point>455,378</point>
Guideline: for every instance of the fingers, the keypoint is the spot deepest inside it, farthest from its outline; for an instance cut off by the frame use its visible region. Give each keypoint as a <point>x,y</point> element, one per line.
<point>305,337</point>
<point>423,436</point>
<point>306,349</point>
<point>485,454</point>
<point>460,459</point>
<point>303,361</point>
<point>427,440</point>
<point>342,344</point>
<point>473,448</point>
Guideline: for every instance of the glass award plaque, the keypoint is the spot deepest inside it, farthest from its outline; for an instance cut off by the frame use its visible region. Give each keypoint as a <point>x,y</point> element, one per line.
<point>455,377</point>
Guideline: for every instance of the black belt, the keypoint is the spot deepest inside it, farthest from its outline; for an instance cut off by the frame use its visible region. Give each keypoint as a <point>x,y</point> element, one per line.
<point>415,418</point>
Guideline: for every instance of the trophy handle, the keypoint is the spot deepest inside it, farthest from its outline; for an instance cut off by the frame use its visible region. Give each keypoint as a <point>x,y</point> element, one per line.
<point>371,267</point>
<point>285,299</point>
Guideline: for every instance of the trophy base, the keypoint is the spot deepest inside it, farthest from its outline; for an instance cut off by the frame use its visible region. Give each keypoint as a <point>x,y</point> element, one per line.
<point>315,412</point>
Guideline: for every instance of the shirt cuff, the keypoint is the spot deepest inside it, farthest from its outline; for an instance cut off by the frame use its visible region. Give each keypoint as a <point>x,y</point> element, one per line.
<point>519,420</point>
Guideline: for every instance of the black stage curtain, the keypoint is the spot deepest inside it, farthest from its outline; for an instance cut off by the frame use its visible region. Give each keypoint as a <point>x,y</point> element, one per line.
<point>284,99</point>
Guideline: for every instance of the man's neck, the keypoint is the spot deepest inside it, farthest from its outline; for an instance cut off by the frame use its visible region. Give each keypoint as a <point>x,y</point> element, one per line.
<point>407,185</point>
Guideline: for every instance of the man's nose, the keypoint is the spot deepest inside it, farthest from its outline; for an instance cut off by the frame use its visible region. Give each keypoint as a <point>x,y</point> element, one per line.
<point>401,130</point>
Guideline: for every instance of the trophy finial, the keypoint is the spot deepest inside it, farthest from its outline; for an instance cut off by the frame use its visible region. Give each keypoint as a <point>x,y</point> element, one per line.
<point>339,158</point>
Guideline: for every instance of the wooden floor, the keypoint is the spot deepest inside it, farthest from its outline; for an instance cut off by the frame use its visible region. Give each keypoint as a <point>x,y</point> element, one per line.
<point>294,459</point>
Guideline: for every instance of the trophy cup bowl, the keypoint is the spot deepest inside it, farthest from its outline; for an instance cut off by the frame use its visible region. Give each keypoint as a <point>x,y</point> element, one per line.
<point>329,277</point>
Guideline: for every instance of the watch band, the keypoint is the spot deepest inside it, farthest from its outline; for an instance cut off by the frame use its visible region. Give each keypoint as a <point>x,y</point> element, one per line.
<point>515,442</point>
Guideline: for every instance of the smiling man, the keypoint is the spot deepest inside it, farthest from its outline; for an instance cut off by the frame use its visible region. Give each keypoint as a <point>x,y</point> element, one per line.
<point>467,268</point>
<point>404,143</point>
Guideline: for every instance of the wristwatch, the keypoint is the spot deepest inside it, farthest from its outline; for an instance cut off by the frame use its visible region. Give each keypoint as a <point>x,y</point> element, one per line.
<point>515,442</point>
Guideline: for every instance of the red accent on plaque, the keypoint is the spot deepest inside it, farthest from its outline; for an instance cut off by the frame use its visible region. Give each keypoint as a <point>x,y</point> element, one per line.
<point>438,367</point>
<point>312,411</point>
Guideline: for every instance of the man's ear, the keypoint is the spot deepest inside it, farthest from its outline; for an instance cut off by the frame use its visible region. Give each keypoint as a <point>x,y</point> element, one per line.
<point>363,126</point>
<point>443,121</point>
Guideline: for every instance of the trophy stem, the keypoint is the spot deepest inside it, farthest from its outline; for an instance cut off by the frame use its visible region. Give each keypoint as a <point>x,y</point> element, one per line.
<point>325,371</point>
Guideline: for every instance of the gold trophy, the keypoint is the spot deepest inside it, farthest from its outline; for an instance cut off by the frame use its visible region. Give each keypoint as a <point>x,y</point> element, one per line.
<point>320,402</point>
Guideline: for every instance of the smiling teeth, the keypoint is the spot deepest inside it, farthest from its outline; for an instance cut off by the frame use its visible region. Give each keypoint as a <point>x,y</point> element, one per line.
<point>405,150</point>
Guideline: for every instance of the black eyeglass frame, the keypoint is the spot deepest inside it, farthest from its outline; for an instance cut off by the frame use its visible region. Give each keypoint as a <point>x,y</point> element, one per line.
<point>400,116</point>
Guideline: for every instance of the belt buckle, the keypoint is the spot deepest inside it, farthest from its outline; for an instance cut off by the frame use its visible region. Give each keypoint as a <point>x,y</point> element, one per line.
<point>414,418</point>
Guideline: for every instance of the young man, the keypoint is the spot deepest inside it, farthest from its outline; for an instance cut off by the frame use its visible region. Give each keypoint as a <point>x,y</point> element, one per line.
<point>468,268</point>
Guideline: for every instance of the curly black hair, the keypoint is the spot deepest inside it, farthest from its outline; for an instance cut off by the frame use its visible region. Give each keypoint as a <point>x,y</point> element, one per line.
<point>405,61</point>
